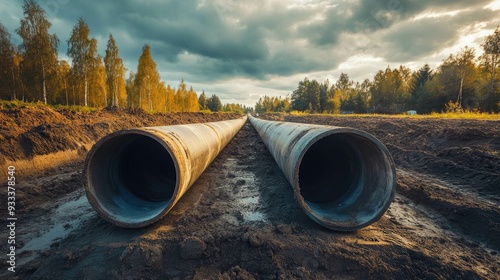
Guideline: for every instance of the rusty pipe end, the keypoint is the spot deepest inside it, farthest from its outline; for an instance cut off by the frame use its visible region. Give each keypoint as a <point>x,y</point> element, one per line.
<point>345,179</point>
<point>131,178</point>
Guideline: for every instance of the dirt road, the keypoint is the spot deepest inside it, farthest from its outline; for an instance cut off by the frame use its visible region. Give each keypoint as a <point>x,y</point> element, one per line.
<point>240,220</point>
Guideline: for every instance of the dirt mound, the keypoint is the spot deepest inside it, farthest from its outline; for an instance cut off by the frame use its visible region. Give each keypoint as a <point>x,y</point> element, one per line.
<point>31,131</point>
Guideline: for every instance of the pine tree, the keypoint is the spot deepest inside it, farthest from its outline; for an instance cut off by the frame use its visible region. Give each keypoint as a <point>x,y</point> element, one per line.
<point>38,49</point>
<point>214,103</point>
<point>417,88</point>
<point>313,92</point>
<point>300,100</point>
<point>362,96</point>
<point>202,100</point>
<point>115,73</point>
<point>323,95</point>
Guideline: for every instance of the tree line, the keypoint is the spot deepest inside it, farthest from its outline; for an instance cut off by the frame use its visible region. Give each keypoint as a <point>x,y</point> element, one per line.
<point>462,82</point>
<point>268,104</point>
<point>32,72</point>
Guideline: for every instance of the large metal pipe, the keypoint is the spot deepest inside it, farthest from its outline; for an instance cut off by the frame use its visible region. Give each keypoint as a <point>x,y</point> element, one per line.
<point>132,178</point>
<point>344,179</point>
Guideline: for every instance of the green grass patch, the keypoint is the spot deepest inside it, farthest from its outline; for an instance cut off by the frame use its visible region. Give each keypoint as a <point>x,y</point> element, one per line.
<point>7,104</point>
<point>469,115</point>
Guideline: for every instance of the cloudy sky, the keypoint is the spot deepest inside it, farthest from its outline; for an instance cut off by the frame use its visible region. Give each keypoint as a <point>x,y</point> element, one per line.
<point>241,50</point>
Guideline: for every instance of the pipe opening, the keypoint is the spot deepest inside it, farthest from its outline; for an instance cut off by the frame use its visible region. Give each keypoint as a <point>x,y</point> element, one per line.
<point>146,169</point>
<point>346,179</point>
<point>328,170</point>
<point>132,178</point>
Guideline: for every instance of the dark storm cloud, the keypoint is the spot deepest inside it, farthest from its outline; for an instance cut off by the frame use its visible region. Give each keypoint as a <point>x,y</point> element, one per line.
<point>210,40</point>
<point>171,28</point>
<point>368,16</point>
<point>397,31</point>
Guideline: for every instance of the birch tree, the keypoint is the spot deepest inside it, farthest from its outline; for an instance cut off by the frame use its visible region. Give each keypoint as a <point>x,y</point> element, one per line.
<point>38,49</point>
<point>83,52</point>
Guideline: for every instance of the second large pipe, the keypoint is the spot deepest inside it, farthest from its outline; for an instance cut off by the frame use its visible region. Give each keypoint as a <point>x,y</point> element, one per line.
<point>343,178</point>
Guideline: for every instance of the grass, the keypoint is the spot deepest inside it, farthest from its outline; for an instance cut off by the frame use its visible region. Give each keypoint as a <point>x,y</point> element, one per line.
<point>465,115</point>
<point>468,115</point>
<point>6,105</point>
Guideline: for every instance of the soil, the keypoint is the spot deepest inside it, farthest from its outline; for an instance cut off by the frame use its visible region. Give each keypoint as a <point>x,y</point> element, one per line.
<point>240,220</point>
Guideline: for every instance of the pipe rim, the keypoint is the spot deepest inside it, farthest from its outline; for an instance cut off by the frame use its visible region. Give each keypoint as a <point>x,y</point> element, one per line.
<point>94,200</point>
<point>329,223</point>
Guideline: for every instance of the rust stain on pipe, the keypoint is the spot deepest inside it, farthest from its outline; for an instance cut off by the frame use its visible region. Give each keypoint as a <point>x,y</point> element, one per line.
<point>343,178</point>
<point>132,178</point>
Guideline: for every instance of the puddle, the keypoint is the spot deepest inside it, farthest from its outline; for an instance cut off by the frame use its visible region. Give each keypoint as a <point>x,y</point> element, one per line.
<point>249,200</point>
<point>63,220</point>
<point>254,217</point>
<point>245,195</point>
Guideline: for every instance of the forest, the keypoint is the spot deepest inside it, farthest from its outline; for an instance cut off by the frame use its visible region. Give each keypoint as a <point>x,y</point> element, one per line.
<point>463,82</point>
<point>32,72</point>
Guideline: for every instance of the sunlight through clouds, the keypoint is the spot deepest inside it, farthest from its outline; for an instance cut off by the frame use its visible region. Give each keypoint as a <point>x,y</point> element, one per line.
<point>495,5</point>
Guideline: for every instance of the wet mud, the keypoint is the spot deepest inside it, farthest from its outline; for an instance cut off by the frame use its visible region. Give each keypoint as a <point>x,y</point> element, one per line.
<point>240,219</point>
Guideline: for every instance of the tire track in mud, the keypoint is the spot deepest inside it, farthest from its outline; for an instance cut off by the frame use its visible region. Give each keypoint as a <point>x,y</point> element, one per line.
<point>428,234</point>
<point>481,182</point>
<point>475,218</point>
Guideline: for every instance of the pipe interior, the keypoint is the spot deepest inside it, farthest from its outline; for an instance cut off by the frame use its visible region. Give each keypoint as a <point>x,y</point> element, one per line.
<point>133,177</point>
<point>346,178</point>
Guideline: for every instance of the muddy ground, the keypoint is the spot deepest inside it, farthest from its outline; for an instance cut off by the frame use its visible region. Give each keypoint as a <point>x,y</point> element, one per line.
<point>240,221</point>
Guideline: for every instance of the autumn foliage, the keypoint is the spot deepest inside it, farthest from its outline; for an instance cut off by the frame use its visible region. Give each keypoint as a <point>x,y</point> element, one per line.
<point>32,72</point>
